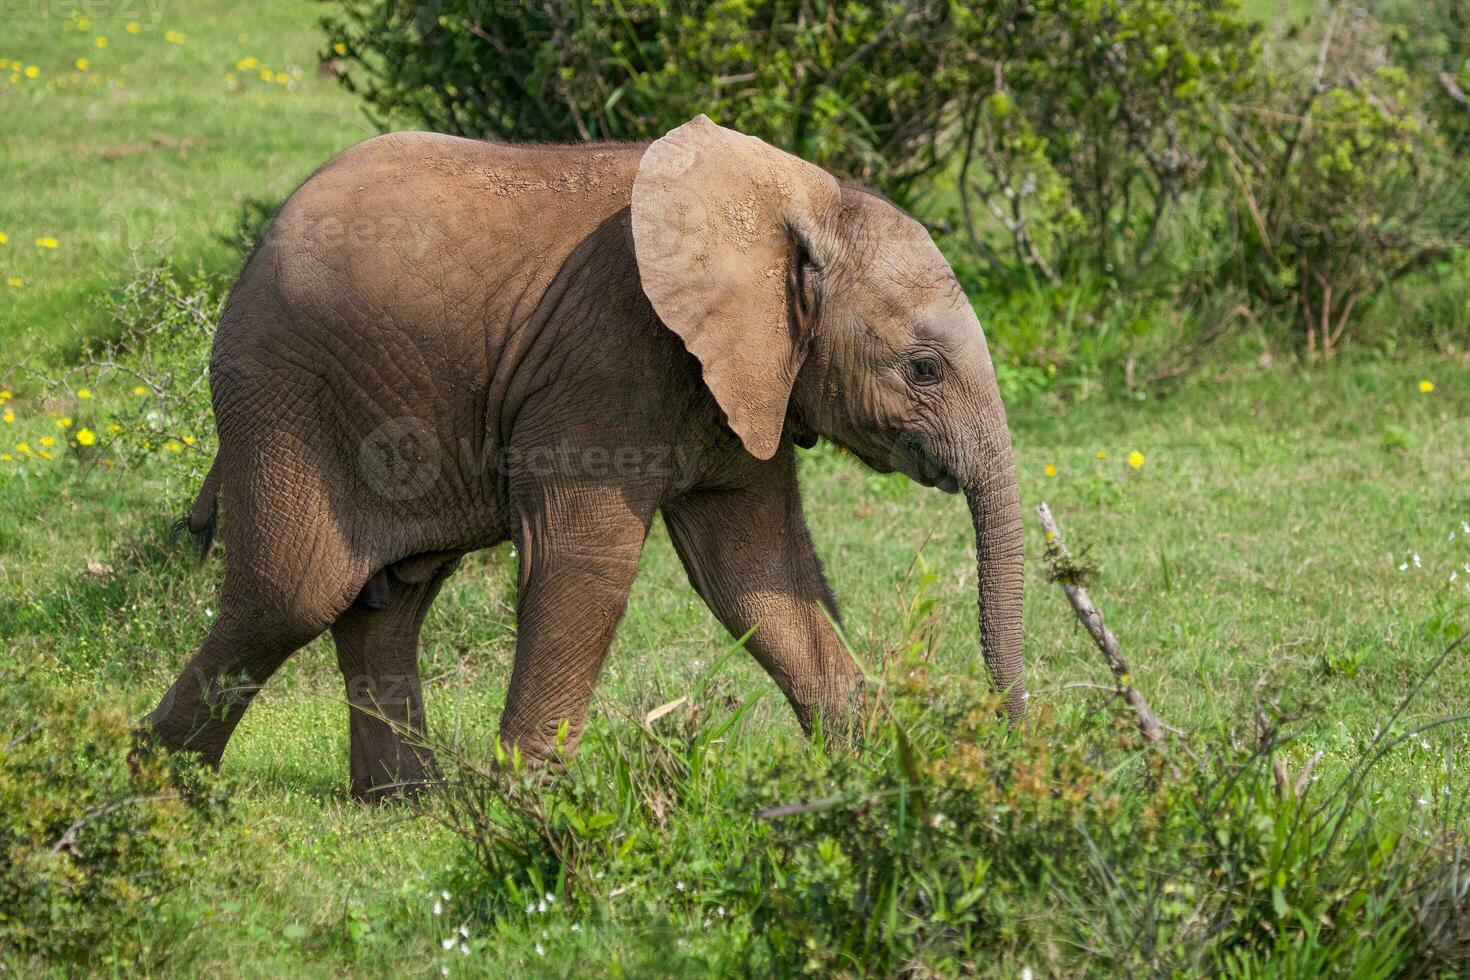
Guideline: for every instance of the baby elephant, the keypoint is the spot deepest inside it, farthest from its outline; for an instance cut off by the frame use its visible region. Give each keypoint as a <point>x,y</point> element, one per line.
<point>444,344</point>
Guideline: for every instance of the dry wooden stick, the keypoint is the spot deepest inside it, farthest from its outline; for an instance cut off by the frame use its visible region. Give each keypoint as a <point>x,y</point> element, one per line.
<point>1092,620</point>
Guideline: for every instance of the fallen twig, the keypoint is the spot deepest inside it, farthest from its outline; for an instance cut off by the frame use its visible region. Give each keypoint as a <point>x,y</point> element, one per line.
<point>1088,614</point>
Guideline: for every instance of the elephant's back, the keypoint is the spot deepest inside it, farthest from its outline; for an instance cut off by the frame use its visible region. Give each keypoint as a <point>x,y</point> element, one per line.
<point>394,281</point>
<point>420,229</point>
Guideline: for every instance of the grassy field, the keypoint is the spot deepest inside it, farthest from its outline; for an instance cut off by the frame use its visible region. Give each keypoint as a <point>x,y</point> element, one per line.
<point>1295,535</point>
<point>145,131</point>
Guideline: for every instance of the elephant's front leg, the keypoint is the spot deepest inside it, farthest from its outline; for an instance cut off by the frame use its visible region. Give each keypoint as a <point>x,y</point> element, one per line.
<point>579,548</point>
<point>748,553</point>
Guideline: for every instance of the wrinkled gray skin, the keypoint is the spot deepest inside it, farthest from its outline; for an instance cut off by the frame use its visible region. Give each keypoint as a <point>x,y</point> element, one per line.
<point>444,344</point>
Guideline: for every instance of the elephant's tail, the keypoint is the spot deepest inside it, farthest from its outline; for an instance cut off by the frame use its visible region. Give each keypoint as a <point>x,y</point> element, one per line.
<point>203,520</point>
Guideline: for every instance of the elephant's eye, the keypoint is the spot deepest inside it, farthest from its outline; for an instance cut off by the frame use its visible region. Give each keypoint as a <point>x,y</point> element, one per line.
<point>926,370</point>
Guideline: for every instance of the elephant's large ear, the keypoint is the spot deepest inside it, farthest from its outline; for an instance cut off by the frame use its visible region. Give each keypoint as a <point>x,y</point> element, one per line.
<point>718,218</point>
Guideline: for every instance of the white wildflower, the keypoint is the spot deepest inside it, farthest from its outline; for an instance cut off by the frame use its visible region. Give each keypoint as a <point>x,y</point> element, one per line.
<point>464,931</point>
<point>541,906</point>
<point>679,885</point>
<point>464,949</point>
<point>531,909</point>
<point>540,950</point>
<point>1026,973</point>
<point>576,927</point>
<point>445,895</point>
<point>1417,562</point>
<point>550,899</point>
<point>448,944</point>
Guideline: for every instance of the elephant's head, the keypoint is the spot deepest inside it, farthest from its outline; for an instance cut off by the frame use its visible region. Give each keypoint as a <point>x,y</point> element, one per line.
<point>822,306</point>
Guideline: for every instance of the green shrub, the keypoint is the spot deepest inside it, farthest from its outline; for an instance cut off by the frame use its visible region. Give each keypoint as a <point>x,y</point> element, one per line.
<point>1431,38</point>
<point>90,840</point>
<point>860,86</point>
<point>1087,125</point>
<point>1343,186</point>
<point>946,843</point>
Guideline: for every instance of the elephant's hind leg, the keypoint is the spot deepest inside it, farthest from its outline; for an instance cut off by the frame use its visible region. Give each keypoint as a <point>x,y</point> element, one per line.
<point>289,575</point>
<point>244,647</point>
<point>377,652</point>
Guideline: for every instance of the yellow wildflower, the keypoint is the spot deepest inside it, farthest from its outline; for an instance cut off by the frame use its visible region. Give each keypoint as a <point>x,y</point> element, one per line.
<point>266,74</point>
<point>1102,454</point>
<point>15,283</point>
<point>23,447</point>
<point>340,48</point>
<point>134,27</point>
<point>4,238</point>
<point>64,422</point>
<point>174,446</point>
<point>1135,459</point>
<point>1051,469</point>
<point>47,241</point>
<point>6,457</point>
<point>248,64</point>
<point>140,390</point>
<point>114,429</point>
<point>47,441</point>
<point>1426,386</point>
<point>45,454</point>
<point>32,71</point>
<point>85,437</point>
<point>101,42</point>
<point>188,440</point>
<point>84,392</point>
<point>175,37</point>
<point>9,416</point>
<point>6,395</point>
<point>83,64</point>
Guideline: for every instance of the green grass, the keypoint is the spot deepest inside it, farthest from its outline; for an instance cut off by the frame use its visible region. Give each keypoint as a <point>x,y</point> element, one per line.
<point>1256,553</point>
<point>158,157</point>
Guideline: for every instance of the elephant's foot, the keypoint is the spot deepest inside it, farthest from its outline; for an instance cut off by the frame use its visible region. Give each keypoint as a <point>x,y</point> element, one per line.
<point>388,762</point>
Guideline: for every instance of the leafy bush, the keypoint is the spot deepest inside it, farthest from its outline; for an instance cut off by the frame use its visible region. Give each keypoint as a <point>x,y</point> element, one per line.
<point>90,841</point>
<point>1085,126</point>
<point>1431,38</point>
<point>1156,158</point>
<point>947,843</point>
<point>1342,184</point>
<point>860,87</point>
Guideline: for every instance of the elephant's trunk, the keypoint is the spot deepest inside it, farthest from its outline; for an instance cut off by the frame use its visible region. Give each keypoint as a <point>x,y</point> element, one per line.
<point>995,508</point>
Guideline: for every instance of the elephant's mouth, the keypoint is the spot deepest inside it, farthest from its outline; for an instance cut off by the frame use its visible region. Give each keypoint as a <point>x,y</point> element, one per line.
<point>927,468</point>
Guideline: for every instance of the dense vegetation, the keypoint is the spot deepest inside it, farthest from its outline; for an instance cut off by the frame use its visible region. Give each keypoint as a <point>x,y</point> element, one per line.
<point>1281,543</point>
<point>1169,171</point>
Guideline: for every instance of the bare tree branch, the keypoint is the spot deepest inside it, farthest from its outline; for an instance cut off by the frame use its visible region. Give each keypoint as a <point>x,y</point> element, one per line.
<point>1092,620</point>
